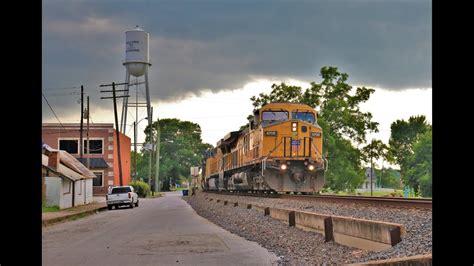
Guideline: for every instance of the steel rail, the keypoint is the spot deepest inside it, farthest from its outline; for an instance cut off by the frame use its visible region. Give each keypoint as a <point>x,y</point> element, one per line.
<point>384,201</point>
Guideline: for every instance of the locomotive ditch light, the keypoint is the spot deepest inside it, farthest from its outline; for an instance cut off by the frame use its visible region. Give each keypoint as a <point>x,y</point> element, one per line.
<point>283,166</point>
<point>311,167</point>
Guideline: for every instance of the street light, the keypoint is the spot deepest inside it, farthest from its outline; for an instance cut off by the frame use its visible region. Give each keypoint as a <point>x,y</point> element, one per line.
<point>135,125</point>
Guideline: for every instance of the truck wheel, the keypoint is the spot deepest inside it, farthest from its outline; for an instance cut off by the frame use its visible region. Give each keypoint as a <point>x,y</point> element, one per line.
<point>109,207</point>
<point>131,204</point>
<point>136,204</point>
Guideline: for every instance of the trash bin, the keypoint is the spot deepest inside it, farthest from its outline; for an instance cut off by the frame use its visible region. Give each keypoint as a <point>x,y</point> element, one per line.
<point>185,192</point>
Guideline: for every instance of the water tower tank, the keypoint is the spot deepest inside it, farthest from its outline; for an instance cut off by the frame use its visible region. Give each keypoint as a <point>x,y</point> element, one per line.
<point>137,53</point>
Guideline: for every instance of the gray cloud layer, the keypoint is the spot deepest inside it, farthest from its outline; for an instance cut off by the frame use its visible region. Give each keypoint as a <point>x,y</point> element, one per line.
<point>216,45</point>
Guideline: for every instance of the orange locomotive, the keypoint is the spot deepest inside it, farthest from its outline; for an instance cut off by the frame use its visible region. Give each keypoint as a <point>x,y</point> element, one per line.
<point>281,151</point>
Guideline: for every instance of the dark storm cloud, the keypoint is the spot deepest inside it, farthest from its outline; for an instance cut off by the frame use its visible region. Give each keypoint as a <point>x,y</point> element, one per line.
<point>215,45</point>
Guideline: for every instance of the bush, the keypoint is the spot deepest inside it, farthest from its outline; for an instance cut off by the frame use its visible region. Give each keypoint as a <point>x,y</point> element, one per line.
<point>141,188</point>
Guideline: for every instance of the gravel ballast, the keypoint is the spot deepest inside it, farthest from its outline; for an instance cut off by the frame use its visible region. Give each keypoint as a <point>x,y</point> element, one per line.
<point>298,247</point>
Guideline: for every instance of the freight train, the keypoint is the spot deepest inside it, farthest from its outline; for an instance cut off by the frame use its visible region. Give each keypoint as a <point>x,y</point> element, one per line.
<point>279,151</point>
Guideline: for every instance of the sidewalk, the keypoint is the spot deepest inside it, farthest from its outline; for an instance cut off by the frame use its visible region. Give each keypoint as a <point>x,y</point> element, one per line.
<point>49,218</point>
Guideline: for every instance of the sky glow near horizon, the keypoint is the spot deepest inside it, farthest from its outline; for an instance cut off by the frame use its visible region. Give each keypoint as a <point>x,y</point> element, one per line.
<point>225,111</point>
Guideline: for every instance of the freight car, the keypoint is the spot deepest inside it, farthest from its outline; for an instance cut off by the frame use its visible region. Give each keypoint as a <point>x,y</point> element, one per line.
<point>279,151</point>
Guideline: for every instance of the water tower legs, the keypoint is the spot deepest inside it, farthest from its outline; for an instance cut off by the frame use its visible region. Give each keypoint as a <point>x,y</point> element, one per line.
<point>148,102</point>
<point>123,124</point>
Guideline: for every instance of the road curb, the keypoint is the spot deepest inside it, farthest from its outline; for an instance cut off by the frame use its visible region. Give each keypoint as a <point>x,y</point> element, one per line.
<point>80,214</point>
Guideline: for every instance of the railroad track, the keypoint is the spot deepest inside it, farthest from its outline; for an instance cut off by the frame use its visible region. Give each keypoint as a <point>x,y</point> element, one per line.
<point>385,201</point>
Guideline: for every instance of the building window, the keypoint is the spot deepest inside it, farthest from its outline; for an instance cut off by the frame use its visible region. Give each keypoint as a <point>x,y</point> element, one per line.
<point>69,145</point>
<point>66,186</point>
<point>96,146</point>
<point>97,182</point>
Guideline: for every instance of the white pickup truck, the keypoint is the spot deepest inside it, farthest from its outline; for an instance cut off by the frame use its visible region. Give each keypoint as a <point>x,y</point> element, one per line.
<point>119,196</point>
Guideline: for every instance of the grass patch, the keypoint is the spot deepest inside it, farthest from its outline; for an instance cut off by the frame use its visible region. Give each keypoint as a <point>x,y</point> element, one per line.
<point>78,216</point>
<point>397,193</point>
<point>156,195</point>
<point>382,194</point>
<point>50,208</point>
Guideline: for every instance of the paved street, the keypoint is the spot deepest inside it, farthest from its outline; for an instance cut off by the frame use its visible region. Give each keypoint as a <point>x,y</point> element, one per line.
<point>161,231</point>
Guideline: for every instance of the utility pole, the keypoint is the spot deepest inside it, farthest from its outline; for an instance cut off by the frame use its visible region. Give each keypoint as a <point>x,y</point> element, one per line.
<point>135,125</point>
<point>381,176</point>
<point>157,174</point>
<point>150,132</point>
<point>87,136</point>
<point>82,122</point>
<point>135,144</point>
<point>117,132</point>
<point>371,184</point>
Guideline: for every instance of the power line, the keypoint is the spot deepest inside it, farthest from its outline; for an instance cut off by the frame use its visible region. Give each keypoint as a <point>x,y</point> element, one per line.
<point>65,88</point>
<point>52,110</point>
<point>62,93</point>
<point>114,97</point>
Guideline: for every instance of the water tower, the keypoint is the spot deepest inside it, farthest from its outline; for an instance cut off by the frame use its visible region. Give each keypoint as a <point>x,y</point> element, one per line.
<point>137,63</point>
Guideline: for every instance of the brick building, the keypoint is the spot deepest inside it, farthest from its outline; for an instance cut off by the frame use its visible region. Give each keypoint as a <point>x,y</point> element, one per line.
<point>103,160</point>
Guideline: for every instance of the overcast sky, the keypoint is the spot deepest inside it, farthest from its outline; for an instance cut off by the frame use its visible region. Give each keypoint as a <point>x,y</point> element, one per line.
<point>234,48</point>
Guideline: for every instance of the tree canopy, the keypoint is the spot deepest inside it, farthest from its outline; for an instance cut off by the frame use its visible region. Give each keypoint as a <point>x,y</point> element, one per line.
<point>181,147</point>
<point>405,136</point>
<point>337,101</point>
<point>419,169</point>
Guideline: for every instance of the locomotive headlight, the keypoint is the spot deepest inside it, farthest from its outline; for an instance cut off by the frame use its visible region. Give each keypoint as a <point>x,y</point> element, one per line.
<point>316,134</point>
<point>311,167</point>
<point>294,126</point>
<point>283,166</point>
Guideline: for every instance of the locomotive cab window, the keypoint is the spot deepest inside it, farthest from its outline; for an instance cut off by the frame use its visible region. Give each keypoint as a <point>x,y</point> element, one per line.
<point>304,116</point>
<point>270,116</point>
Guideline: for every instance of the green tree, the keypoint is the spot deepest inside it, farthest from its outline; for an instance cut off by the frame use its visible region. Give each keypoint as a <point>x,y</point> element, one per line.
<point>404,135</point>
<point>389,178</point>
<point>139,160</point>
<point>374,150</point>
<point>340,118</point>
<point>420,163</point>
<point>345,172</point>
<point>180,148</point>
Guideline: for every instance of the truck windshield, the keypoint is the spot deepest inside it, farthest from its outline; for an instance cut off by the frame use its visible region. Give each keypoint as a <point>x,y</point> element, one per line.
<point>275,116</point>
<point>304,116</point>
<point>119,190</point>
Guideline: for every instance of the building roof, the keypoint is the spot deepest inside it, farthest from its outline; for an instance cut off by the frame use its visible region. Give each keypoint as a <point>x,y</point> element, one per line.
<point>77,125</point>
<point>95,162</point>
<point>68,165</point>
